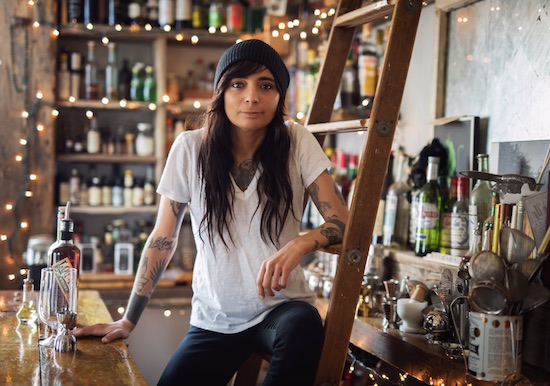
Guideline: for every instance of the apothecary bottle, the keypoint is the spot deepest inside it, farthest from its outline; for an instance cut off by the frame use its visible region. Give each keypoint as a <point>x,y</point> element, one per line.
<point>480,199</point>
<point>145,143</point>
<point>27,312</point>
<point>429,207</point>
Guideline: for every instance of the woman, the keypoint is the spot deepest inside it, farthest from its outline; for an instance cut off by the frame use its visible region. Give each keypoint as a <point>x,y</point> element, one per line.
<point>243,177</point>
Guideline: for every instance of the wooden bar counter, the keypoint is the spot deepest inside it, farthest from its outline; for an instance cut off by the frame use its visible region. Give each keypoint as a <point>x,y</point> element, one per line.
<point>23,362</point>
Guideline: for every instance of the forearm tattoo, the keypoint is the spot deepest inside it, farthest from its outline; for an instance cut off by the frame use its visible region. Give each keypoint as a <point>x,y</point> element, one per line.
<point>136,305</point>
<point>162,244</point>
<point>333,235</point>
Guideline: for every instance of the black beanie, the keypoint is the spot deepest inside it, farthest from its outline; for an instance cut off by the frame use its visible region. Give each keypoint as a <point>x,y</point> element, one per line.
<point>256,51</point>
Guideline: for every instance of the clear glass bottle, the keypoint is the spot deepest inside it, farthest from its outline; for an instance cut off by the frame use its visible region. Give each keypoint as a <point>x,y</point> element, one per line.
<point>145,143</point>
<point>91,85</point>
<point>398,207</point>
<point>460,237</point>
<point>94,192</point>
<point>111,73</point>
<point>128,187</point>
<point>429,207</point>
<point>481,195</point>
<point>93,137</point>
<point>166,14</point>
<point>27,312</point>
<point>63,77</point>
<point>184,11</point>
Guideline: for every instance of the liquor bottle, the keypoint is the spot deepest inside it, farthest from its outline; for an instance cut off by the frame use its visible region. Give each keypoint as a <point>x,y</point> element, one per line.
<point>128,187</point>
<point>63,77</point>
<point>114,12</point>
<point>74,187</point>
<point>75,69</point>
<point>152,10</point>
<point>111,73</point>
<point>397,208</point>
<point>90,12</point>
<point>460,236</point>
<point>183,14</point>
<point>60,216</point>
<point>93,137</point>
<point>349,84</point>
<point>378,231</point>
<point>124,79</point>
<point>91,85</point>
<point>480,198</point>
<point>136,85</point>
<point>149,188</point>
<point>429,207</point>
<point>166,14</point>
<point>215,14</point>
<point>27,312</point>
<point>149,85</point>
<point>198,15</point>
<point>135,14</point>
<point>75,11</point>
<point>447,202</point>
<point>367,65</point>
<point>67,249</point>
<point>235,15</point>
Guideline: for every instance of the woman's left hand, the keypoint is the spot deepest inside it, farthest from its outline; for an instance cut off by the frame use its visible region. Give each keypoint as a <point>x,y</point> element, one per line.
<point>275,270</point>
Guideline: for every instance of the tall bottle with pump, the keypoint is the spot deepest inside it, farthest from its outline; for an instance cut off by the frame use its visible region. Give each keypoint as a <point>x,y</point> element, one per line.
<point>67,249</point>
<point>397,208</point>
<point>429,207</point>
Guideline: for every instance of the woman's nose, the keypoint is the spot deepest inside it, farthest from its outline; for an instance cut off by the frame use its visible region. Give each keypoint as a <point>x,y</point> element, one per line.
<point>251,96</point>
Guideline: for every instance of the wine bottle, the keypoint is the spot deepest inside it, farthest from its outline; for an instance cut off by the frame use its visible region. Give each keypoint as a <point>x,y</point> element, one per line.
<point>91,85</point>
<point>447,202</point>
<point>429,207</point>
<point>111,73</point>
<point>459,219</point>
<point>397,208</point>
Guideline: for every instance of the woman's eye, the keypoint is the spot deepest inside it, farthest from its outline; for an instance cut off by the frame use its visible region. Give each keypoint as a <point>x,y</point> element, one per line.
<point>267,86</point>
<point>237,84</point>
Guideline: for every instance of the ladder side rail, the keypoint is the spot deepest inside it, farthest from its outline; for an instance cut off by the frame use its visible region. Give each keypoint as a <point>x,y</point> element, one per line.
<point>372,169</point>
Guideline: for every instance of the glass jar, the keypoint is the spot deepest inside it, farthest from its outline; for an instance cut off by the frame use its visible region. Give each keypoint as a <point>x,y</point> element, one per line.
<point>145,143</point>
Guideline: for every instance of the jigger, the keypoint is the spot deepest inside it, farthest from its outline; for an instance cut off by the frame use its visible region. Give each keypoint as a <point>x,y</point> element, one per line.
<point>65,341</point>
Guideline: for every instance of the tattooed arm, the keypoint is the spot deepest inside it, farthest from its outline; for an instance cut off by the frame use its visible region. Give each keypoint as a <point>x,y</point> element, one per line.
<point>156,255</point>
<point>327,197</point>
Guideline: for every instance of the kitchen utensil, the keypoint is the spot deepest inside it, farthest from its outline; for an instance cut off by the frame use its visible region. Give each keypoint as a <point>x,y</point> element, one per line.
<point>537,295</point>
<point>486,265</point>
<point>489,297</point>
<point>505,183</point>
<point>517,285</point>
<point>515,246</point>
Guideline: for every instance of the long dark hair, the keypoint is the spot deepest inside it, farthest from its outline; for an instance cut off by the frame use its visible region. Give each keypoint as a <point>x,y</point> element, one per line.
<point>216,161</point>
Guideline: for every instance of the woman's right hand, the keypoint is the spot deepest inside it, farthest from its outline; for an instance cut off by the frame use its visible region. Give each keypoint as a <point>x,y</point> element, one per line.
<point>109,332</point>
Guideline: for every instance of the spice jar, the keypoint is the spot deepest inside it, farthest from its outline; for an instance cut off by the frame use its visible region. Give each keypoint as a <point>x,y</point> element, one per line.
<point>145,144</point>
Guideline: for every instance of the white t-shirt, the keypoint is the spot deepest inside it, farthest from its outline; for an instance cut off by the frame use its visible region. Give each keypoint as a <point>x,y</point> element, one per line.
<point>225,298</point>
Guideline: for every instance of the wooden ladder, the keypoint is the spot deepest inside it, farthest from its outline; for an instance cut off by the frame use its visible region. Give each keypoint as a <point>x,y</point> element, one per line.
<point>380,126</point>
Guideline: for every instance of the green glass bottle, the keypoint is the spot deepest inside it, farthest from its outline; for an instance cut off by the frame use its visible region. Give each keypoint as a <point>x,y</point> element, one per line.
<point>429,210</point>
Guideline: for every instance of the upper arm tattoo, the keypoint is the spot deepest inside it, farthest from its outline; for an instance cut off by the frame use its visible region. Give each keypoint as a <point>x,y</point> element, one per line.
<point>178,209</point>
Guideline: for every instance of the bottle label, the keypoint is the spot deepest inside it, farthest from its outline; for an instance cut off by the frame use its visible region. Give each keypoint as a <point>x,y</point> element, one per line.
<point>428,215</point>
<point>459,233</point>
<point>61,271</point>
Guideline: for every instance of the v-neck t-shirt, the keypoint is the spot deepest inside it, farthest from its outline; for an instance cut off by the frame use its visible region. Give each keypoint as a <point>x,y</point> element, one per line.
<point>225,297</point>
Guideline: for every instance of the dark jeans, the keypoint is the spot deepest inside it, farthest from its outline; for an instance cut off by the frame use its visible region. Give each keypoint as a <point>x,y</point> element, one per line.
<point>292,334</point>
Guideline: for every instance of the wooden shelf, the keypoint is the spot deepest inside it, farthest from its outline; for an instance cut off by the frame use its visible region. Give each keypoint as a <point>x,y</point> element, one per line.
<point>114,210</point>
<point>106,158</point>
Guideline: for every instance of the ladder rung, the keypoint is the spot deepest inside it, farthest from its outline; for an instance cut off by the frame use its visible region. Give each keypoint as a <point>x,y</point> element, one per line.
<point>367,14</point>
<point>339,127</point>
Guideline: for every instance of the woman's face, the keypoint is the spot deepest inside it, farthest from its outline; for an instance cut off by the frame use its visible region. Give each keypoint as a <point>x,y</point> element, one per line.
<point>251,102</point>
